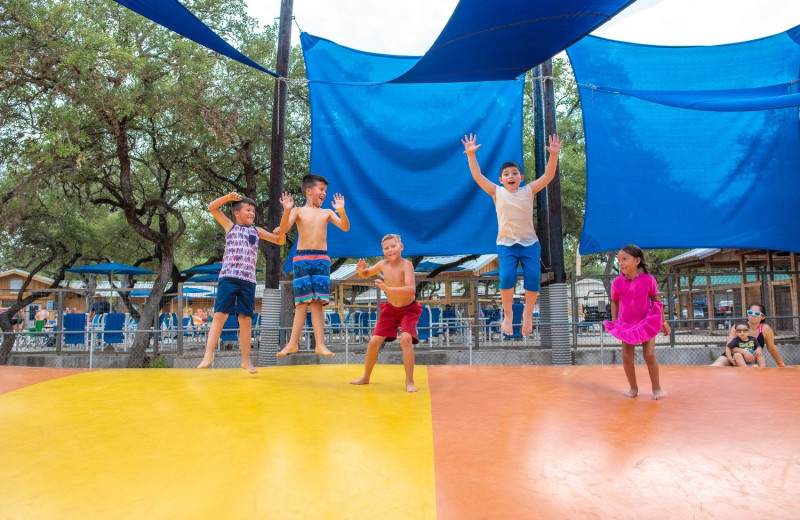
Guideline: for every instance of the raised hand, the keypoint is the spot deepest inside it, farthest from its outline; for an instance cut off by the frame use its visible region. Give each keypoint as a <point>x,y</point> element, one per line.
<point>469,144</point>
<point>555,144</point>
<point>338,202</point>
<point>234,196</point>
<point>277,231</point>
<point>287,201</point>
<point>361,265</point>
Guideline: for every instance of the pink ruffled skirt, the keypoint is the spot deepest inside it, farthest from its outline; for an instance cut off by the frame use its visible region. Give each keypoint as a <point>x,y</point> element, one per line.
<point>641,331</point>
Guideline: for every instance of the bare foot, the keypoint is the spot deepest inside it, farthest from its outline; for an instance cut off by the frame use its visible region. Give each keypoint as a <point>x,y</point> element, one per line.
<point>527,326</point>
<point>658,394</point>
<point>360,381</point>
<point>322,350</point>
<point>288,350</point>
<point>410,386</point>
<point>206,363</point>
<point>633,392</point>
<point>506,327</point>
<point>249,367</point>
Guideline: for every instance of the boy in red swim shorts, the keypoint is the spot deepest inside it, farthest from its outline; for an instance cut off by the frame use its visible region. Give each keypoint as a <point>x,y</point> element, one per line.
<point>402,309</point>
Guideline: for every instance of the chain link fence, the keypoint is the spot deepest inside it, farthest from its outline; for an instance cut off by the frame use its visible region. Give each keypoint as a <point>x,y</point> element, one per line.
<point>701,311</point>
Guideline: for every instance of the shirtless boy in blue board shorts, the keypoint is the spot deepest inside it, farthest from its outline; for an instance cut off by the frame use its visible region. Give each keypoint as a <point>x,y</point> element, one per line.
<point>311,264</point>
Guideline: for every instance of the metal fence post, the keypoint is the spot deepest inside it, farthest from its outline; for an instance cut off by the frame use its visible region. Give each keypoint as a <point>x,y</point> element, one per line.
<point>269,336</point>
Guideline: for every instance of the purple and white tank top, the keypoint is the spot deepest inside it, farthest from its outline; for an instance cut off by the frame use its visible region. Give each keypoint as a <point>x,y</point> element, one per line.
<point>241,249</point>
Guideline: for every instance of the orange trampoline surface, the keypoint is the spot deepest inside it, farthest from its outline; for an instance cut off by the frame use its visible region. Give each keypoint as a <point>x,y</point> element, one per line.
<point>484,442</point>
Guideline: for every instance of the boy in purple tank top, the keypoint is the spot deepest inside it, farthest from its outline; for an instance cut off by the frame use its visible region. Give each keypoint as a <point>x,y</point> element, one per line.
<point>236,288</point>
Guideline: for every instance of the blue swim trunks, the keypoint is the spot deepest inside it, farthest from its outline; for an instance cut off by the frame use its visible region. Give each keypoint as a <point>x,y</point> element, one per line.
<point>235,296</point>
<point>312,276</point>
<point>509,257</point>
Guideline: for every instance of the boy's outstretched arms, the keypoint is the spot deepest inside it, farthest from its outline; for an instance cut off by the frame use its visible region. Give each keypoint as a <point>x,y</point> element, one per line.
<point>470,147</point>
<point>276,237</point>
<point>552,163</point>
<point>288,217</point>
<point>215,205</point>
<point>365,271</point>
<point>339,217</point>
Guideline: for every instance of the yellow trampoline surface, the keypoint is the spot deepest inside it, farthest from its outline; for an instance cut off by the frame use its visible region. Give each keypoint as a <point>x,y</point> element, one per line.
<point>294,442</point>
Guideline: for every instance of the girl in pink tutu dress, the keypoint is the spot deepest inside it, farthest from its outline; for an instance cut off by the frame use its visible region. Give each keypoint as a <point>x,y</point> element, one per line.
<point>636,316</point>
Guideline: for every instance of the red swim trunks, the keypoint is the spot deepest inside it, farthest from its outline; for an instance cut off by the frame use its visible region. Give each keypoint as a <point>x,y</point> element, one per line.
<point>405,317</point>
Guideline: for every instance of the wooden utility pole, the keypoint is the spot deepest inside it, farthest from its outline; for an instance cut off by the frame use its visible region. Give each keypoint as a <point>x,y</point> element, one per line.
<point>276,172</point>
<point>539,140</point>
<point>554,188</point>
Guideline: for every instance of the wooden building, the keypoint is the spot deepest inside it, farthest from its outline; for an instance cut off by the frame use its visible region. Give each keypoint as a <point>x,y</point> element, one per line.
<point>723,282</point>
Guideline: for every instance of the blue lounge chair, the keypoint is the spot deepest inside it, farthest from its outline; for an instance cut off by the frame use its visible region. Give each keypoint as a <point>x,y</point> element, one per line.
<point>75,329</point>
<point>516,321</point>
<point>436,321</point>
<point>335,321</point>
<point>230,331</point>
<point>424,324</point>
<point>113,329</point>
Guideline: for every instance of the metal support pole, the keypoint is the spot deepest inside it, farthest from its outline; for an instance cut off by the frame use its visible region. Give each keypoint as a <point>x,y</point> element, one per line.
<point>179,339</point>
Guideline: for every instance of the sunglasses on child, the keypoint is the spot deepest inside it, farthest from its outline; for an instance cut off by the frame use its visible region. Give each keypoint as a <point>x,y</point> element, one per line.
<point>755,313</point>
<point>742,330</point>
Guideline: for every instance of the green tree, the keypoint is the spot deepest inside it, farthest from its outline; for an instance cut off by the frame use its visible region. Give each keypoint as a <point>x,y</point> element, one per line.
<point>121,107</point>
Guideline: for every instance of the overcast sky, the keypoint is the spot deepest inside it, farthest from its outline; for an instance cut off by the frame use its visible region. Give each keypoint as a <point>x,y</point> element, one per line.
<point>409,27</point>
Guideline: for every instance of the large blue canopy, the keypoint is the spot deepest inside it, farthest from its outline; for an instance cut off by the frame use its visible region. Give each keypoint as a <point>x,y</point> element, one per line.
<point>394,151</point>
<point>173,15</point>
<point>691,146</point>
<point>501,39</point>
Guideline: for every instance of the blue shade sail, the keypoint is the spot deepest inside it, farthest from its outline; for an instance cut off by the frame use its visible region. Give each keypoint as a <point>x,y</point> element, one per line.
<point>394,151</point>
<point>175,16</point>
<point>501,39</point>
<point>691,146</point>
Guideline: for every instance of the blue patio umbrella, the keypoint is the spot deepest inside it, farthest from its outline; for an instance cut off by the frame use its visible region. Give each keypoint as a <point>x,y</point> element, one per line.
<point>188,292</point>
<point>203,269</point>
<point>211,277</point>
<point>206,269</point>
<point>110,269</point>
<point>428,267</point>
<point>496,272</point>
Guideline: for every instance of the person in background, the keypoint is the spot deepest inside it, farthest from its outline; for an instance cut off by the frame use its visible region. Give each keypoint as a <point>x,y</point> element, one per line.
<point>765,337</point>
<point>741,344</point>
<point>100,306</point>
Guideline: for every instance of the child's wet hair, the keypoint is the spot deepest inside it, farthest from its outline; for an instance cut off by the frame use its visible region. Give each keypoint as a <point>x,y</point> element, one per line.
<point>238,203</point>
<point>311,180</point>
<point>391,236</point>
<point>636,252</point>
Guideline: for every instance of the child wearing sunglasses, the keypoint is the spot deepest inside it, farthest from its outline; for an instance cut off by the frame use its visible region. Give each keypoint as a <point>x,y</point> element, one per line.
<point>743,343</point>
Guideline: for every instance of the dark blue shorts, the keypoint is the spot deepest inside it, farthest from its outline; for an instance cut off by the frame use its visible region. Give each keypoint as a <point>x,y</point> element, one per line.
<point>235,296</point>
<point>508,257</point>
